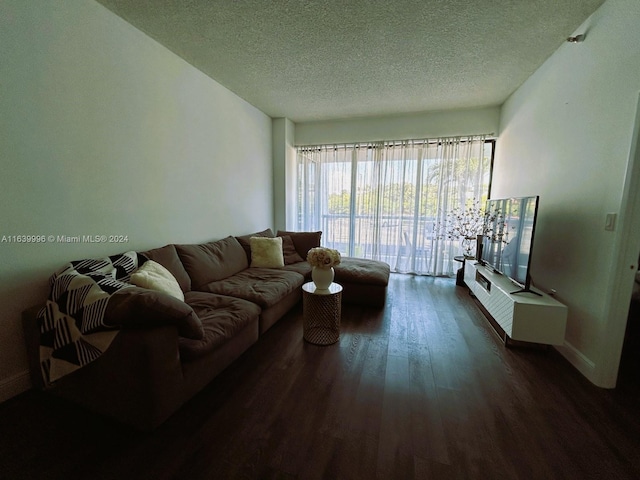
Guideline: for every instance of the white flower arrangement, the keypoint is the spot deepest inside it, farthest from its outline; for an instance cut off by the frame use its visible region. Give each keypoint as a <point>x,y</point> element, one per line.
<point>323,257</point>
<point>467,222</point>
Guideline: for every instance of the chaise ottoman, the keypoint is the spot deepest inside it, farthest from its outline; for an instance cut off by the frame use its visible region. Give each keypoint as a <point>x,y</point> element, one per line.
<point>364,281</point>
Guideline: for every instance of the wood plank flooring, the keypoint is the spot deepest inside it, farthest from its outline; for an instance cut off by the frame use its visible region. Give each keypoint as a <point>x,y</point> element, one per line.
<point>421,389</point>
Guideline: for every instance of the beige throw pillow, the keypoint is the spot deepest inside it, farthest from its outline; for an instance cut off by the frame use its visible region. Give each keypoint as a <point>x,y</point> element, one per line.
<point>266,252</point>
<point>154,276</point>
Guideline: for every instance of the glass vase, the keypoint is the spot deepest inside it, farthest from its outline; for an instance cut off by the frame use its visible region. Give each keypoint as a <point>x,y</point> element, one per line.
<point>467,246</point>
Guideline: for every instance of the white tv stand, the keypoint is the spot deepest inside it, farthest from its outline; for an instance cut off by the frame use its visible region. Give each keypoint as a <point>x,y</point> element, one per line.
<point>525,317</point>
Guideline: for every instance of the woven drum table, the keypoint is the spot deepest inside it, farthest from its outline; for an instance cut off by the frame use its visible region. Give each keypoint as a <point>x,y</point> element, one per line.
<point>321,312</point>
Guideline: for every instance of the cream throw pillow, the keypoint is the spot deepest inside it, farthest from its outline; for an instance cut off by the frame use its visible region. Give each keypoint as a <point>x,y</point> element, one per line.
<point>266,252</point>
<point>154,276</point>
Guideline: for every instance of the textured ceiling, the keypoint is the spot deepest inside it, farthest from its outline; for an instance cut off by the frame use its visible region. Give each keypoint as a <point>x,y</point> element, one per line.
<point>315,60</point>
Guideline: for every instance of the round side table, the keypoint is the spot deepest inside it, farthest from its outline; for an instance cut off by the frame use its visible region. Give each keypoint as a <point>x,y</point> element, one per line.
<point>321,313</point>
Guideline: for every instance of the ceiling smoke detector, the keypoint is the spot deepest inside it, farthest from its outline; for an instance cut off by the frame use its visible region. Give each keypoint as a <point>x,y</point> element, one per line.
<point>576,39</point>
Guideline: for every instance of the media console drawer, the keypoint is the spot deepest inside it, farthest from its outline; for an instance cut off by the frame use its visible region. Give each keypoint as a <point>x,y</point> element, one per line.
<point>523,316</point>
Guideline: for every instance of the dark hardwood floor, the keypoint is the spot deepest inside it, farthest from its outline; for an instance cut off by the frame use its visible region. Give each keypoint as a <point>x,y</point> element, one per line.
<point>421,389</point>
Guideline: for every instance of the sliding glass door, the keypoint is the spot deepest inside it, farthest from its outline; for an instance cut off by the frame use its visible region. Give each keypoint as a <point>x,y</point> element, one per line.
<point>388,201</point>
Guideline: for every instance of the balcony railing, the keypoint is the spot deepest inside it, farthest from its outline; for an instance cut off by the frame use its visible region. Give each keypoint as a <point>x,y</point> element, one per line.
<point>390,238</point>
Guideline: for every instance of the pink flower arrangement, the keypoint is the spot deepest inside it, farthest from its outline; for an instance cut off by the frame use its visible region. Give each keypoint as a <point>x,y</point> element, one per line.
<point>323,257</point>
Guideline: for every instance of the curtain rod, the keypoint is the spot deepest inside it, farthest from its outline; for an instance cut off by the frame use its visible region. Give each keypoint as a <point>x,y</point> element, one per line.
<point>389,143</point>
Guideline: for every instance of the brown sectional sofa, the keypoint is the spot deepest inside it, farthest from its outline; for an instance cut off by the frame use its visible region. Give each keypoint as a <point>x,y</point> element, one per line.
<point>151,369</point>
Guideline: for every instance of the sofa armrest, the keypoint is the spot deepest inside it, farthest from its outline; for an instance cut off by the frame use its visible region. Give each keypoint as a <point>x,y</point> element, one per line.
<point>137,380</point>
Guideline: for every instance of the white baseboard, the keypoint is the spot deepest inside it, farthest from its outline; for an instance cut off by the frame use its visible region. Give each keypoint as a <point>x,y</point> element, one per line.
<point>12,386</point>
<point>578,360</point>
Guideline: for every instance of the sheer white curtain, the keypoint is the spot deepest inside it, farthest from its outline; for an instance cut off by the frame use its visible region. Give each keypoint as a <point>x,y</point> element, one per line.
<point>387,200</point>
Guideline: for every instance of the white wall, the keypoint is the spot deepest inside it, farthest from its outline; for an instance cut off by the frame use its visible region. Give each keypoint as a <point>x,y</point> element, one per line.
<point>284,173</point>
<point>419,125</point>
<point>104,131</point>
<point>565,134</point>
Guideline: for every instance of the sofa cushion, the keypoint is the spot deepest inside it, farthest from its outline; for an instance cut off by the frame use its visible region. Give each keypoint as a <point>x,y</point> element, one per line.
<point>263,286</point>
<point>154,276</point>
<point>209,262</point>
<point>167,256</point>
<point>289,251</point>
<point>222,318</point>
<point>245,241</point>
<point>266,252</point>
<point>303,268</point>
<point>136,307</point>
<point>303,241</point>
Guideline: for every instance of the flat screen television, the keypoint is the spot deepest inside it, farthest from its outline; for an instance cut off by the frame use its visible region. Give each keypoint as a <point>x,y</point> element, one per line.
<point>510,224</point>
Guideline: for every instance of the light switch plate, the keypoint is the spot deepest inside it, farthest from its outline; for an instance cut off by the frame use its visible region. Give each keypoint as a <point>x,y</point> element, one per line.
<point>610,222</point>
